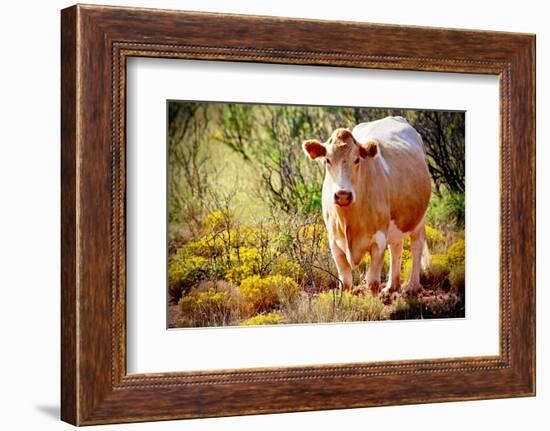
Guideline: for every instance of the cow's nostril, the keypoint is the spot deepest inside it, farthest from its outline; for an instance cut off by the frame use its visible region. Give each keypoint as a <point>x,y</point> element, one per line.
<point>343,197</point>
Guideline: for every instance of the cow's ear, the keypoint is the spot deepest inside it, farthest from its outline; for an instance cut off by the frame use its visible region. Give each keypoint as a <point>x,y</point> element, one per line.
<point>370,149</point>
<point>314,149</point>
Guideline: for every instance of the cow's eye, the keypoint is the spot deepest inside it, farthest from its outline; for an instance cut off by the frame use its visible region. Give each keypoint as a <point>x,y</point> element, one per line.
<point>356,160</point>
<point>328,161</point>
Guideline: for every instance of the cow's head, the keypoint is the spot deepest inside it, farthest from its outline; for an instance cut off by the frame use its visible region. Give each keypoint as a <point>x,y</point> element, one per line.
<point>343,157</point>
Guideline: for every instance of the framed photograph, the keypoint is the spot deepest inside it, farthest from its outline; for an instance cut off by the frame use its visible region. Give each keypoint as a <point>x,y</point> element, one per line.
<point>265,215</point>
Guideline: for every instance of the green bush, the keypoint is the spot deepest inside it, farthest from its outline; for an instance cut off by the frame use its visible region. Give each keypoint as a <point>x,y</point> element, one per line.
<point>272,318</point>
<point>446,208</point>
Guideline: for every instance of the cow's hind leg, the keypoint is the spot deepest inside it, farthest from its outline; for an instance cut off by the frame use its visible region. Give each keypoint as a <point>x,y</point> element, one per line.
<point>394,281</point>
<point>343,267</point>
<point>418,236</point>
<point>377,250</point>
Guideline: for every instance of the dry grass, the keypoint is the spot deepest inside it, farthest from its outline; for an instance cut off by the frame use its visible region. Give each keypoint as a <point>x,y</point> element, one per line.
<point>335,306</point>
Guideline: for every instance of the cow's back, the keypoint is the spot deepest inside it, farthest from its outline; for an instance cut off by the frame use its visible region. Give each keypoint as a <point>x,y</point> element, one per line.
<point>402,160</point>
<point>389,131</point>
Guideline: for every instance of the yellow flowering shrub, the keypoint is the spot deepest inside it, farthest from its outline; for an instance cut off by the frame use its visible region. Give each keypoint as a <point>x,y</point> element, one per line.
<point>220,235</point>
<point>283,266</point>
<point>245,262</point>
<point>406,270</point>
<point>216,244</point>
<point>218,221</point>
<point>314,234</point>
<point>434,237</point>
<point>443,268</point>
<point>456,253</point>
<point>441,260</point>
<point>272,318</point>
<point>241,236</point>
<point>406,256</point>
<point>184,271</point>
<point>262,294</point>
<point>207,246</point>
<point>437,268</point>
<point>207,308</point>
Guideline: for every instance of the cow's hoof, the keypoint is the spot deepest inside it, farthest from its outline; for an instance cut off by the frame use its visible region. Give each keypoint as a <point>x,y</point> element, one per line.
<point>387,297</point>
<point>412,289</point>
<point>374,287</point>
<point>390,288</point>
<point>357,291</point>
<point>346,287</point>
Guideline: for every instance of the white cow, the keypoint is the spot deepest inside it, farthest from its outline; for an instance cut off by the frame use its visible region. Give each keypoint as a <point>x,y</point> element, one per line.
<point>376,191</point>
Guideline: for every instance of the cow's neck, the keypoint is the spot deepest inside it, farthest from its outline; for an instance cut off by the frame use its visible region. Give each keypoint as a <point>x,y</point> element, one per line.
<point>358,223</point>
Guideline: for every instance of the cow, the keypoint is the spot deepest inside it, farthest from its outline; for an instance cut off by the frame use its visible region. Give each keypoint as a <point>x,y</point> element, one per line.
<point>376,191</point>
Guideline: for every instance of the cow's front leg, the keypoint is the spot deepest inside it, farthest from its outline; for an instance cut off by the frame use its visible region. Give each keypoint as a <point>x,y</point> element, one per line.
<point>377,250</point>
<point>394,281</point>
<point>418,236</point>
<point>343,267</point>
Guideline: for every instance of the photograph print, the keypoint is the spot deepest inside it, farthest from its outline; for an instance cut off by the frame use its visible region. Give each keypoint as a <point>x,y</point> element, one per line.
<point>286,214</point>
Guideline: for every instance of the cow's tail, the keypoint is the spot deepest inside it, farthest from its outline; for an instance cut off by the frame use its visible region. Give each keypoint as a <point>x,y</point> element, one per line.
<point>426,258</point>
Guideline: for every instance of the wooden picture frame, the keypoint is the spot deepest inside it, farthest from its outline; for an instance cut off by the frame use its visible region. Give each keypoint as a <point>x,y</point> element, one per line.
<point>96,41</point>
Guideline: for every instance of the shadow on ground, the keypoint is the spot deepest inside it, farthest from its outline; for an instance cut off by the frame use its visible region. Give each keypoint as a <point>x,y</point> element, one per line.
<point>52,411</point>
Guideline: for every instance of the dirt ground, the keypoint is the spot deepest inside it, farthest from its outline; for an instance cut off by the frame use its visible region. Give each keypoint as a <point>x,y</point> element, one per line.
<point>173,315</point>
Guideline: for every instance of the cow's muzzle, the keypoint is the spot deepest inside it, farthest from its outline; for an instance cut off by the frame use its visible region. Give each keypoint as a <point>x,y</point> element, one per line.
<point>343,198</point>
